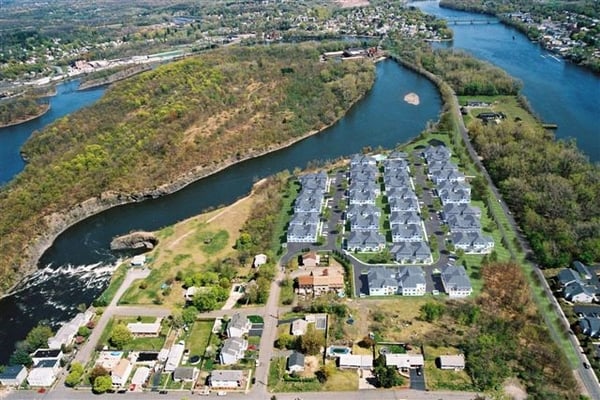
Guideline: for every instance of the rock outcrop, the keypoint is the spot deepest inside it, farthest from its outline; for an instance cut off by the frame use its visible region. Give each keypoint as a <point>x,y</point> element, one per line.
<point>134,240</point>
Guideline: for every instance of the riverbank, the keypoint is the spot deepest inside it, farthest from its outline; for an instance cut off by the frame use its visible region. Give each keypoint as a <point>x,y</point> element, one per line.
<point>116,77</point>
<point>44,110</point>
<point>57,223</point>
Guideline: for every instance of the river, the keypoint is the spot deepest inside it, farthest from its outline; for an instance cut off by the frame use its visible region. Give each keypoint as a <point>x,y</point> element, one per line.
<point>381,118</point>
<point>559,91</point>
<point>66,101</point>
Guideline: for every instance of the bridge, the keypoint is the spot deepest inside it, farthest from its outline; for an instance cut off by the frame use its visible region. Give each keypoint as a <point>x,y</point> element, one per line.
<point>471,21</point>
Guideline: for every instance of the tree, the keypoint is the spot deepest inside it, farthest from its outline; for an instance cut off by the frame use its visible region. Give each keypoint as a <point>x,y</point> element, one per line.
<point>38,337</point>
<point>387,377</point>
<point>97,372</point>
<point>102,384</point>
<point>83,331</point>
<point>74,375</point>
<point>20,357</point>
<point>285,341</point>
<point>312,341</point>
<point>120,336</point>
<point>189,314</point>
<point>205,301</point>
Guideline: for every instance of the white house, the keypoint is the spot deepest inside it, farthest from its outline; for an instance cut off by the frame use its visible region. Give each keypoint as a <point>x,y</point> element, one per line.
<point>238,326</point>
<point>66,333</point>
<point>44,373</point>
<point>404,361</point>
<point>227,379</point>
<point>259,259</point>
<point>233,350</point>
<point>175,355</point>
<point>139,260</point>
<point>355,361</point>
<point>299,327</point>
<point>140,376</point>
<point>144,328</point>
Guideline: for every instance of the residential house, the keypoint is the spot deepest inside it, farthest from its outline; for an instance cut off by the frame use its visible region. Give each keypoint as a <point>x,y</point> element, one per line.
<point>362,176</point>
<point>318,284</point>
<point>175,356</point>
<point>361,159</point>
<point>46,354</point>
<point>309,195</point>
<point>412,253</point>
<point>578,292</point>
<point>44,373</point>
<point>299,327</point>
<point>411,281</point>
<point>238,326</point>
<point>404,218</point>
<point>472,242</point>
<point>436,153</point>
<point>140,329</point>
<point>295,362</point>
<point>311,259</point>
<point>13,375</point>
<point>400,193</point>
<point>138,260</point>
<point>261,259</point>
<point>397,155</point>
<point>590,326</point>
<point>382,281</point>
<point>395,182</point>
<point>226,379</point>
<point>587,310</point>
<point>395,165</point>
<point>440,166</point>
<point>190,293</point>
<point>318,181</point>
<point>311,204</point>
<point>453,187</point>
<point>407,233</point>
<point>121,372</point>
<point>355,361</point>
<point>367,223</point>
<point>454,197</point>
<point>455,362</point>
<point>467,223</point>
<point>367,241</point>
<point>567,276</point>
<point>305,219</point>
<point>361,198</point>
<point>409,204</point>
<point>404,361</point>
<point>140,376</point>
<point>583,270</point>
<point>455,281</point>
<point>449,175</point>
<point>460,209</point>
<point>369,186</point>
<point>302,234</point>
<point>233,350</point>
<point>363,210</point>
<point>186,374</point>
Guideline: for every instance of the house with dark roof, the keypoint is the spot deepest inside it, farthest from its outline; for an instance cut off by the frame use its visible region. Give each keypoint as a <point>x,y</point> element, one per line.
<point>567,276</point>
<point>310,196</point>
<point>302,234</point>
<point>460,209</point>
<point>308,205</point>
<point>409,204</point>
<point>308,218</point>
<point>395,165</point>
<point>368,186</point>
<point>359,176</point>
<point>295,362</point>
<point>363,210</point>
<point>456,281</point>
<point>436,153</point>
<point>366,223</point>
<point>404,218</point>
<point>446,175</point>
<point>453,187</point>
<point>46,354</point>
<point>396,181</point>
<point>407,233</point>
<point>382,281</point>
<point>13,375</point>
<point>583,270</point>
<point>472,242</point>
<point>412,253</point>
<point>578,292</point>
<point>454,197</point>
<point>367,241</point>
<point>362,198</point>
<point>411,281</point>
<point>226,379</point>
<point>466,223</point>
<point>590,326</point>
<point>400,193</point>
<point>441,166</point>
<point>317,181</point>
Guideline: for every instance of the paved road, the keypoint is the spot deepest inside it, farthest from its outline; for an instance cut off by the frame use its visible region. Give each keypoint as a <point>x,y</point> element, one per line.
<point>588,377</point>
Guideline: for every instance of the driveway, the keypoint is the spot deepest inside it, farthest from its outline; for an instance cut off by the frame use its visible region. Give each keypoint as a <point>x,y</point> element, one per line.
<point>417,382</point>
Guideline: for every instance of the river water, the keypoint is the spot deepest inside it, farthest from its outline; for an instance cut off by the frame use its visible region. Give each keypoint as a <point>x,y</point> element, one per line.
<point>559,91</point>
<point>80,260</point>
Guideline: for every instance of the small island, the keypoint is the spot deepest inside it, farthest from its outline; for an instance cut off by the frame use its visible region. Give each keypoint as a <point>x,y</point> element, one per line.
<point>412,98</point>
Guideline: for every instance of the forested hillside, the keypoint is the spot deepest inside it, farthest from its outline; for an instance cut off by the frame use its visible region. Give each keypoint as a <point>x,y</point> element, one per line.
<point>210,110</point>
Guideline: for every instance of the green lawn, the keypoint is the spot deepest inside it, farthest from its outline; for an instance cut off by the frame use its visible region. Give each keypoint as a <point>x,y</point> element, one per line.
<point>438,379</point>
<point>276,383</point>
<point>115,283</point>
<point>284,216</point>
<point>197,340</point>
<point>209,242</point>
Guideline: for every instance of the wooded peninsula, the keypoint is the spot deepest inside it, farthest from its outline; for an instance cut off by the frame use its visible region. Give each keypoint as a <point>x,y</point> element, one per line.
<point>197,115</point>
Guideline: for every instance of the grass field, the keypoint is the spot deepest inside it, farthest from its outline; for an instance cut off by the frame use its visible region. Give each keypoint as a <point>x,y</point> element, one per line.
<point>187,246</point>
<point>438,379</point>
<point>115,282</point>
<point>198,337</point>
